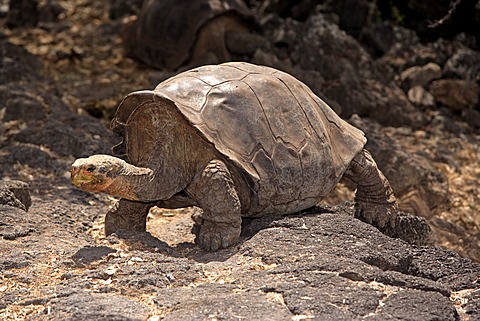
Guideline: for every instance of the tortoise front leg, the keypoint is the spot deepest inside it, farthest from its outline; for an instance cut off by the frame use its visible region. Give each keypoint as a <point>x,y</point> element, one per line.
<point>127,215</point>
<point>374,199</point>
<point>132,215</point>
<point>214,191</point>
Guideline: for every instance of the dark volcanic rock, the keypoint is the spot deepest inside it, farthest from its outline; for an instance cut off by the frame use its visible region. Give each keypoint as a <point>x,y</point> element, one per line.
<point>16,194</point>
<point>472,117</point>
<point>22,105</point>
<point>17,64</point>
<point>314,243</point>
<point>32,156</point>
<point>455,93</point>
<point>121,8</point>
<point>380,37</point>
<point>15,260</point>
<point>91,253</point>
<point>37,128</point>
<point>79,137</point>
<point>23,13</point>
<point>350,78</point>
<point>220,302</point>
<point>464,64</point>
<point>425,306</point>
<point>95,306</point>
<point>420,75</point>
<point>323,264</point>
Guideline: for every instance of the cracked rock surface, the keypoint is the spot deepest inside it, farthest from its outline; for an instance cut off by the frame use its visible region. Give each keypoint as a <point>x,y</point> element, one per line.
<point>319,265</point>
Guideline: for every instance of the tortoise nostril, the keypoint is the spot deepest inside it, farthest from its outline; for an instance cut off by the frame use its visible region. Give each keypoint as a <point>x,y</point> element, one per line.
<point>73,171</point>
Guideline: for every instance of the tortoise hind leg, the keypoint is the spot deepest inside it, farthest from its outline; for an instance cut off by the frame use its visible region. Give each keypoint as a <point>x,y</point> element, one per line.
<point>374,199</point>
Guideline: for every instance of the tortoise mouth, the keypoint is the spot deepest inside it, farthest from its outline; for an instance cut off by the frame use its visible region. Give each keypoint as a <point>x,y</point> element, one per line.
<point>86,181</point>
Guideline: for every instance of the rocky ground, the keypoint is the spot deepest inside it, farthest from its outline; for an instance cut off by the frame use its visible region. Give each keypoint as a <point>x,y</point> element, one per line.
<point>60,82</point>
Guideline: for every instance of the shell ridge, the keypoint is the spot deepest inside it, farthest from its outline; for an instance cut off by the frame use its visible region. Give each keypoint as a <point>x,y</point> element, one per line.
<point>345,158</point>
<point>320,137</point>
<point>263,110</point>
<point>230,64</point>
<point>203,80</point>
<point>281,173</point>
<point>337,125</point>
<point>258,147</point>
<point>205,101</point>
<point>327,116</point>
<point>299,192</point>
<point>217,84</point>
<point>238,65</point>
<point>275,174</point>
<point>185,75</point>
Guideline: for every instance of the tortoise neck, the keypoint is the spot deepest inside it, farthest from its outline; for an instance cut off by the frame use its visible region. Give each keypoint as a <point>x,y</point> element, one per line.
<point>134,183</point>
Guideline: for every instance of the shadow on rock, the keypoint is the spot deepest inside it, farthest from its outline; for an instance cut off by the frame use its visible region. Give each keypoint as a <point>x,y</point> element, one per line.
<point>89,254</point>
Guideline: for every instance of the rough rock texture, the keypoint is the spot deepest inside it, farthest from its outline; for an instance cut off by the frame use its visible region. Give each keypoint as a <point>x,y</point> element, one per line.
<point>16,194</point>
<point>323,265</point>
<point>345,79</point>
<point>455,93</point>
<point>55,263</point>
<point>420,97</point>
<point>464,64</point>
<point>420,75</point>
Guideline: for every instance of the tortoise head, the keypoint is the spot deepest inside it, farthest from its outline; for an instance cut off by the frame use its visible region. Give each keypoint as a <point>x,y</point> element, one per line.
<point>96,173</point>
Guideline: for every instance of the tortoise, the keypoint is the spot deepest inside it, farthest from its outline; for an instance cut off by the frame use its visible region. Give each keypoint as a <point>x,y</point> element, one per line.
<point>169,33</point>
<point>236,140</point>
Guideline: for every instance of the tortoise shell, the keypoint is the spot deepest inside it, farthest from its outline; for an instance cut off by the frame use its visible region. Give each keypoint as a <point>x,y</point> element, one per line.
<point>165,31</point>
<point>288,142</point>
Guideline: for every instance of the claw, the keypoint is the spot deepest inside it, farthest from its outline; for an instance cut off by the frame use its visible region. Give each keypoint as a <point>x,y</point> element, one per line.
<point>197,216</point>
<point>214,236</point>
<point>215,243</point>
<point>378,215</point>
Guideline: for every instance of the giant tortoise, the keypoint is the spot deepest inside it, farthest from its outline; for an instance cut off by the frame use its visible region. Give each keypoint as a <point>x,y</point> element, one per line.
<point>235,140</point>
<point>169,34</point>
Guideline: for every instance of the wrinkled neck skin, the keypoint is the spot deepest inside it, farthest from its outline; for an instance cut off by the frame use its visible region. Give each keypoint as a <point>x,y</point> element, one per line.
<point>134,183</point>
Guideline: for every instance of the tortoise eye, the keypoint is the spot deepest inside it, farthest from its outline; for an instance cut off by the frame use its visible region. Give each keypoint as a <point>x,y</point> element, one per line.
<point>90,168</point>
